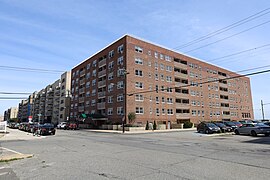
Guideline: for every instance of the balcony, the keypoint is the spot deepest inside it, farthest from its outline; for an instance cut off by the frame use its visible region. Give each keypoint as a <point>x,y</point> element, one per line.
<point>179,84</point>
<point>102,83</point>
<point>182,115</point>
<point>102,63</point>
<point>81,91</point>
<point>82,73</point>
<point>102,73</point>
<point>101,94</point>
<point>180,65</point>
<point>81,99</point>
<point>101,105</point>
<point>81,109</point>
<point>181,105</point>
<point>180,75</point>
<point>82,82</point>
<point>182,95</point>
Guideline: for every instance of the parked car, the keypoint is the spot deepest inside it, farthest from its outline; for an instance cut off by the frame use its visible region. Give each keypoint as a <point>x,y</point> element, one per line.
<point>223,127</point>
<point>238,124</point>
<point>247,122</point>
<point>253,129</point>
<point>267,123</point>
<point>208,128</point>
<point>62,125</point>
<point>72,125</point>
<point>44,129</point>
<point>231,124</point>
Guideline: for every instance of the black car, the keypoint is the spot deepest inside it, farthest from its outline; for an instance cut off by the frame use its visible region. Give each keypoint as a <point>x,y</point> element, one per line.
<point>44,129</point>
<point>223,127</point>
<point>230,124</point>
<point>208,128</point>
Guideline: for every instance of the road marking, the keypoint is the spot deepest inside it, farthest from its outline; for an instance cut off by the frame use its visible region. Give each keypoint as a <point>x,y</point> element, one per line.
<point>2,167</point>
<point>11,150</point>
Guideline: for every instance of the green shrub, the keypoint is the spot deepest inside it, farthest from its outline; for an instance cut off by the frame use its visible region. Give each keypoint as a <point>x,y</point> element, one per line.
<point>147,126</point>
<point>155,125</point>
<point>188,124</point>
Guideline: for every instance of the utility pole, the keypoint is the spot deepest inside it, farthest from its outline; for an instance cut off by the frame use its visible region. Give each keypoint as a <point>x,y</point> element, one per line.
<point>262,109</point>
<point>124,75</point>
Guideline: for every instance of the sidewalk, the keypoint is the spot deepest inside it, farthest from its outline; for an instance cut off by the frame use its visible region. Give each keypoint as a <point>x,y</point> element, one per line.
<point>139,132</point>
<point>14,134</point>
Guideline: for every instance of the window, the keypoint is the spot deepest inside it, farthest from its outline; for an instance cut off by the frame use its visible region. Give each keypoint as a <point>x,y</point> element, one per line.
<point>193,112</point>
<point>156,55</point>
<point>120,60</point>
<point>120,49</point>
<point>163,99</point>
<point>156,76</point>
<point>156,65</point>
<point>87,85</point>
<point>111,53</point>
<point>138,73</point>
<point>120,72</point>
<point>169,100</point>
<point>120,111</point>
<point>157,111</point>
<point>162,77</point>
<point>110,99</point>
<point>170,111</point>
<point>138,61</point>
<point>88,94</point>
<point>93,92</point>
<point>168,58</point>
<point>120,84</point>
<point>94,82</point>
<point>94,73</point>
<point>110,66</point>
<point>157,100</point>
<point>161,66</point>
<point>95,63</point>
<point>138,97</point>
<point>168,78</point>
<point>169,89</point>
<point>138,49</point>
<point>139,85</point>
<point>163,111</point>
<point>169,68</point>
<point>110,76</point>
<point>88,75</point>
<point>161,56</point>
<point>193,103</point>
<point>93,102</point>
<point>110,87</point>
<point>110,111</point>
<point>139,110</point>
<point>120,98</point>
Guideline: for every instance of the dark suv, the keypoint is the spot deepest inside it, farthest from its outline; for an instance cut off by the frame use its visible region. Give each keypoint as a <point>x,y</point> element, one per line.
<point>44,129</point>
<point>208,128</point>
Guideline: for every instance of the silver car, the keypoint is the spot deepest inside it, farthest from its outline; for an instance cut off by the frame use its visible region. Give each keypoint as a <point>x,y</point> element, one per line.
<point>253,129</point>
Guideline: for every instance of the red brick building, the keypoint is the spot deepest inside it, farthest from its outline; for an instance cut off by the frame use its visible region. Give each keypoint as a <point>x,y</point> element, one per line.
<point>158,84</point>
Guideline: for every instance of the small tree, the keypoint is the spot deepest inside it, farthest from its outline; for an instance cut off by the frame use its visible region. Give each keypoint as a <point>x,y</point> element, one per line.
<point>131,117</point>
<point>147,126</point>
<point>155,126</point>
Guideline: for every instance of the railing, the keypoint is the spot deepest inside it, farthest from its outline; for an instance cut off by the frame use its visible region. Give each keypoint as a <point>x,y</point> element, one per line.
<point>82,73</point>
<point>102,73</point>
<point>101,94</point>
<point>101,105</point>
<point>102,83</point>
<point>82,81</point>
<point>81,99</point>
<point>102,63</point>
<point>81,91</point>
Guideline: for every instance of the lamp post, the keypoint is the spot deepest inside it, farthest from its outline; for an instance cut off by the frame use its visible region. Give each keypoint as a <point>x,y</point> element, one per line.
<point>124,75</point>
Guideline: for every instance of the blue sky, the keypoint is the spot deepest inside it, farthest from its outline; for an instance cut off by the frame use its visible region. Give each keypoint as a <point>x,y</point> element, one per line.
<point>60,34</point>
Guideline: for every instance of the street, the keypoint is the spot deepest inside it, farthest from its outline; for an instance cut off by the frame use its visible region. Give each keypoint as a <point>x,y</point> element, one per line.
<point>175,155</point>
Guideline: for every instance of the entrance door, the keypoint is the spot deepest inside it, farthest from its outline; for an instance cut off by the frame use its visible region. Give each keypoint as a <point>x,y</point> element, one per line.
<point>169,124</point>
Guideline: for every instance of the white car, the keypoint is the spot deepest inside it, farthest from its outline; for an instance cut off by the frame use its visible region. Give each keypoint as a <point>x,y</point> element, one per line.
<point>61,125</point>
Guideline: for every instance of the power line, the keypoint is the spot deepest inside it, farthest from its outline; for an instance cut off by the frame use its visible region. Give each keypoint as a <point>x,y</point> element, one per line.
<point>14,93</point>
<point>234,77</point>
<point>219,31</point>
<point>30,69</point>
<point>8,98</point>
<point>237,53</point>
<point>253,27</point>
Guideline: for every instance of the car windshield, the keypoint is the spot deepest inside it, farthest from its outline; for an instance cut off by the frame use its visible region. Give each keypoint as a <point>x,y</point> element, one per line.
<point>261,125</point>
<point>210,125</point>
<point>237,123</point>
<point>230,123</point>
<point>220,124</point>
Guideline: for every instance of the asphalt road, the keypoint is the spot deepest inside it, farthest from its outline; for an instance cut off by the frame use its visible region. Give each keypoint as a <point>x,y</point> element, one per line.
<point>176,155</point>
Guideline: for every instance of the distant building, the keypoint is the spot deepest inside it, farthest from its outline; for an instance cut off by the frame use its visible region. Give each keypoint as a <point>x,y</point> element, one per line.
<point>11,113</point>
<point>161,85</point>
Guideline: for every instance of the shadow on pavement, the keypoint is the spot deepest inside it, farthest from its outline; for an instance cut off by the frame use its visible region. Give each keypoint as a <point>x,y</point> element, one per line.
<point>259,140</point>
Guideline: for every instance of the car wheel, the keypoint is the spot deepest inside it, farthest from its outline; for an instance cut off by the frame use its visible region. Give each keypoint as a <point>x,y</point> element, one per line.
<point>237,132</point>
<point>206,131</point>
<point>253,133</point>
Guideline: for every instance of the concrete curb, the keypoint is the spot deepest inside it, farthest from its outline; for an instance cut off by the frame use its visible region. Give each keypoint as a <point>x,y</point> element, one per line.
<point>138,132</point>
<point>10,155</point>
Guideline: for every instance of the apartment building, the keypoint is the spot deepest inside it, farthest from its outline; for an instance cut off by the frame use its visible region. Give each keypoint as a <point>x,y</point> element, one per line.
<point>51,104</point>
<point>25,109</point>
<point>158,84</point>
<point>11,113</point>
